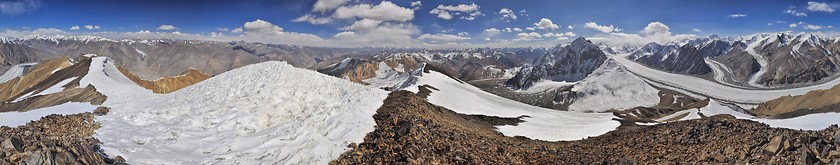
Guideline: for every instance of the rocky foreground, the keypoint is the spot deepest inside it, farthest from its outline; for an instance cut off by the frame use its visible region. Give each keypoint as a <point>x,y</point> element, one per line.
<point>411,130</point>
<point>54,139</point>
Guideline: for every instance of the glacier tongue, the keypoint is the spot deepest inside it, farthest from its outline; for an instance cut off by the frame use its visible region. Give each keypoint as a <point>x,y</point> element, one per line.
<point>278,114</point>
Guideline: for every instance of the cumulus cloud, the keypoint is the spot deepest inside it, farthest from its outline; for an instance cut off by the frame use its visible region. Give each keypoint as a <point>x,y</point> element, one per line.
<point>445,11</point>
<point>222,29</point>
<point>385,11</point>
<point>601,28</point>
<point>260,26</point>
<point>75,28</point>
<point>14,8</point>
<point>736,15</point>
<point>695,30</point>
<point>793,25</point>
<point>167,27</point>
<point>812,27</point>
<point>570,27</point>
<point>793,12</point>
<point>91,27</point>
<point>820,7</point>
<point>237,30</point>
<point>528,36</point>
<point>546,23</point>
<point>326,5</point>
<point>313,19</point>
<point>442,37</point>
<point>654,32</point>
<point>363,24</point>
<point>416,5</point>
<point>507,14</point>
<point>492,32</point>
<point>517,29</point>
<point>387,35</point>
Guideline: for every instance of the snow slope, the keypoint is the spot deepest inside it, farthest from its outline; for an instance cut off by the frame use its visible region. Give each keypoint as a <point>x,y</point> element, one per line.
<point>15,71</point>
<point>613,87</point>
<point>543,124</point>
<point>269,112</point>
<point>712,89</point>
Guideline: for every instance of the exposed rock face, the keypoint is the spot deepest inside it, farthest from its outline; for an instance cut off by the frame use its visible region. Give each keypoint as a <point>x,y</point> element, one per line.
<point>571,62</point>
<point>816,101</point>
<point>53,140</point>
<point>685,59</point>
<point>739,64</point>
<point>410,130</point>
<point>355,70</point>
<point>797,59</point>
<point>167,84</point>
<point>41,72</point>
<point>29,91</point>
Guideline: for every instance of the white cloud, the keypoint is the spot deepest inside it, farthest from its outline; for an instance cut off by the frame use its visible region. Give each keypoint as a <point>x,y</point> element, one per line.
<point>528,36</point>
<point>445,11</point>
<point>570,34</point>
<point>695,30</point>
<point>326,5</point>
<point>793,25</point>
<point>736,15</point>
<point>312,19</point>
<point>601,28</point>
<point>821,7</point>
<point>507,14</point>
<point>237,30</point>
<point>260,26</point>
<point>570,27</point>
<point>795,13</point>
<point>385,11</point>
<point>223,29</point>
<point>416,5</point>
<point>492,32</point>
<point>546,23</point>
<point>653,32</point>
<point>507,30</point>
<point>91,27</point>
<point>75,28</point>
<point>386,35</point>
<point>530,28</point>
<point>812,27</point>
<point>167,27</point>
<point>442,37</point>
<point>14,8</point>
<point>363,24</point>
<point>517,29</point>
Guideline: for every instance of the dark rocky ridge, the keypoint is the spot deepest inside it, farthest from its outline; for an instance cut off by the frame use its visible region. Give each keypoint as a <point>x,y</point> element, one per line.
<point>411,130</point>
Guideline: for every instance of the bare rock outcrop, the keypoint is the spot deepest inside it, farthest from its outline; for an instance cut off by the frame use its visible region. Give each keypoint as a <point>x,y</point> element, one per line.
<point>54,139</point>
<point>167,84</point>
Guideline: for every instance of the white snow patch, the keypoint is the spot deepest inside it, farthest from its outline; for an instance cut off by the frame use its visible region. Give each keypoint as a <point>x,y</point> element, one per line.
<point>543,124</point>
<point>277,114</point>
<point>52,89</point>
<point>807,122</point>
<point>611,87</point>
<point>14,119</point>
<point>15,71</point>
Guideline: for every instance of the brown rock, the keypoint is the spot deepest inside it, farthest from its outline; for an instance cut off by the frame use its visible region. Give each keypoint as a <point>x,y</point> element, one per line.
<point>99,111</point>
<point>12,143</point>
<point>774,146</point>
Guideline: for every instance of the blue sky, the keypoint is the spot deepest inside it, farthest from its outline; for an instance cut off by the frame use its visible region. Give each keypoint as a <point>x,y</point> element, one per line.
<point>398,23</point>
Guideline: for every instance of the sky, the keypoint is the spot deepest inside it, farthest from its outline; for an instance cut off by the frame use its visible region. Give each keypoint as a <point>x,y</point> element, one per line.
<point>413,23</point>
